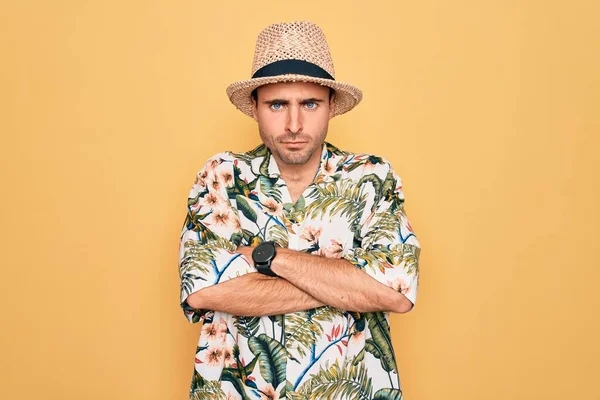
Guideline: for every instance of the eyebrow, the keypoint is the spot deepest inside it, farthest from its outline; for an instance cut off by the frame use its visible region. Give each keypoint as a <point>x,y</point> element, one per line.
<point>286,102</point>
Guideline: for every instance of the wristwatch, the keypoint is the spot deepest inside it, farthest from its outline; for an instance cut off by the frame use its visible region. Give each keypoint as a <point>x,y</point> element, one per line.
<point>263,255</point>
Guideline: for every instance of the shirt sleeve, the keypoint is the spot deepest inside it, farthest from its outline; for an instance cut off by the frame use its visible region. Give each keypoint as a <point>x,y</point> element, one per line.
<point>389,250</point>
<point>210,235</point>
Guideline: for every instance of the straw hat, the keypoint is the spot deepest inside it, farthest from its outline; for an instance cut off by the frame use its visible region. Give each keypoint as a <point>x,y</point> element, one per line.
<point>290,52</point>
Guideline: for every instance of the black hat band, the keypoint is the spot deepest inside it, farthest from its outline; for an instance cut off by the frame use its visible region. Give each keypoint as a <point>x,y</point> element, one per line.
<point>295,67</point>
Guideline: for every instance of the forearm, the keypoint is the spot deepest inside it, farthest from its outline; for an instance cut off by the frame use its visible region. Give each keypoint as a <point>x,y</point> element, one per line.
<point>338,283</point>
<point>254,295</point>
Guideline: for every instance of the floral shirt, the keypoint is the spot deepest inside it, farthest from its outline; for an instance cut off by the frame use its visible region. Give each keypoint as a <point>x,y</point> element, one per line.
<point>354,210</point>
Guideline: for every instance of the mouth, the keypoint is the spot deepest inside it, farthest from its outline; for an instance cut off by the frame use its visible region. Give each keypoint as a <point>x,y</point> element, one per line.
<point>294,144</point>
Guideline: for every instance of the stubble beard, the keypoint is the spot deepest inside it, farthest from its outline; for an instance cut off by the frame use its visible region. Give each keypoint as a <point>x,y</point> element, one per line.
<point>298,157</point>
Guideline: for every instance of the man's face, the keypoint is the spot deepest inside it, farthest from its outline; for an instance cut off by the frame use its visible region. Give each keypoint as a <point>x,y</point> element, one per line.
<point>293,119</point>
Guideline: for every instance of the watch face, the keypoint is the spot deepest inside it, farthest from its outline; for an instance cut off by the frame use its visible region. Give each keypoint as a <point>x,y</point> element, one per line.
<point>263,253</point>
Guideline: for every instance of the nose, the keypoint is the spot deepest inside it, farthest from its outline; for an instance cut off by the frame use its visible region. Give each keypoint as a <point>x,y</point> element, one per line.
<point>294,121</point>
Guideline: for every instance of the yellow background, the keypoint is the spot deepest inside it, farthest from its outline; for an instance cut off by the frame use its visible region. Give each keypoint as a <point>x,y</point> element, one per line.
<point>489,110</point>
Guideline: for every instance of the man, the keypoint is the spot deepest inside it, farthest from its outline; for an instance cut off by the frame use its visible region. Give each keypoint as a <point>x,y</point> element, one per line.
<point>294,253</point>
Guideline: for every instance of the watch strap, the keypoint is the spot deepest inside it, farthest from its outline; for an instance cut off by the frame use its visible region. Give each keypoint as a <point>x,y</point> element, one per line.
<point>265,269</point>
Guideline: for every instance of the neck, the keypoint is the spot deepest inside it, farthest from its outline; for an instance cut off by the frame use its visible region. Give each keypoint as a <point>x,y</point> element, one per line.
<point>300,173</point>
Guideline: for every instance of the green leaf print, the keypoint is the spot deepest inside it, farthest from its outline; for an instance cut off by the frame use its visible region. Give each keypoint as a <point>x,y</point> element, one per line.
<point>242,371</point>
<point>371,159</point>
<point>302,327</point>
<point>388,394</point>
<point>326,314</point>
<point>378,352</point>
<point>264,165</point>
<point>198,255</point>
<point>196,317</point>
<point>231,375</point>
<point>269,189</point>
<point>287,392</point>
<point>343,198</point>
<point>259,151</point>
<point>193,200</point>
<point>295,396</point>
<point>272,358</point>
<point>294,212</point>
<point>410,255</point>
<point>380,344</point>
<point>239,187</point>
<point>277,318</point>
<point>359,357</point>
<point>300,204</point>
<point>204,233</point>
<point>247,326</point>
<point>373,256</point>
<point>376,182</point>
<point>279,235</point>
<point>386,229</point>
<point>197,381</point>
<point>337,382</point>
<point>245,208</point>
<point>389,185</point>
<point>247,235</point>
<point>228,375</point>
<point>237,376</point>
<point>211,390</point>
<point>243,237</point>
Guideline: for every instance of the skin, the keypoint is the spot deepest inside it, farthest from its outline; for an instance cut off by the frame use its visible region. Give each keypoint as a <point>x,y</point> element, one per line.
<point>293,119</point>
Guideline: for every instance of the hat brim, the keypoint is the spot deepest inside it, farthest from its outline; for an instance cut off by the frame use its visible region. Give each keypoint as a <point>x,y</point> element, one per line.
<point>347,96</point>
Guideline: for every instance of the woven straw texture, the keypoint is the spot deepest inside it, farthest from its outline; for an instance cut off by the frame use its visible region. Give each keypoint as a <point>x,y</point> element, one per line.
<point>300,40</point>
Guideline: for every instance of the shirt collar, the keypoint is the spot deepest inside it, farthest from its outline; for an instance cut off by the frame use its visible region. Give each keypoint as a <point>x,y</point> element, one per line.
<point>273,169</point>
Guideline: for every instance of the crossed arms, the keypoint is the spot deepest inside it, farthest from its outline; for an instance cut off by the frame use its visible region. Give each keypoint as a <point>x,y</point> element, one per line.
<point>305,281</point>
<point>380,274</point>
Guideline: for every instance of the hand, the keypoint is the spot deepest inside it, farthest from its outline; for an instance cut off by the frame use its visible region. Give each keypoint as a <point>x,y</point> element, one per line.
<point>246,251</point>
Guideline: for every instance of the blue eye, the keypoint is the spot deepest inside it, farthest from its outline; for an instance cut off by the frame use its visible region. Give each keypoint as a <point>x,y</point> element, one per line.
<point>311,105</point>
<point>276,106</point>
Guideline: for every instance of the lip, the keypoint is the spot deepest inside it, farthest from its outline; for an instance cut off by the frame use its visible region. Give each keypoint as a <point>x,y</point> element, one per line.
<point>293,146</point>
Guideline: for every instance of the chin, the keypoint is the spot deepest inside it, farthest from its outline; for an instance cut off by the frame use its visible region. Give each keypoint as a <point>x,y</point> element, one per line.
<point>295,160</point>
<point>294,157</point>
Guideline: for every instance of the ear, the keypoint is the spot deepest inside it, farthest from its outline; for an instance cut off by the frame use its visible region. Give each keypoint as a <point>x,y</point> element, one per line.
<point>332,105</point>
<point>254,109</point>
